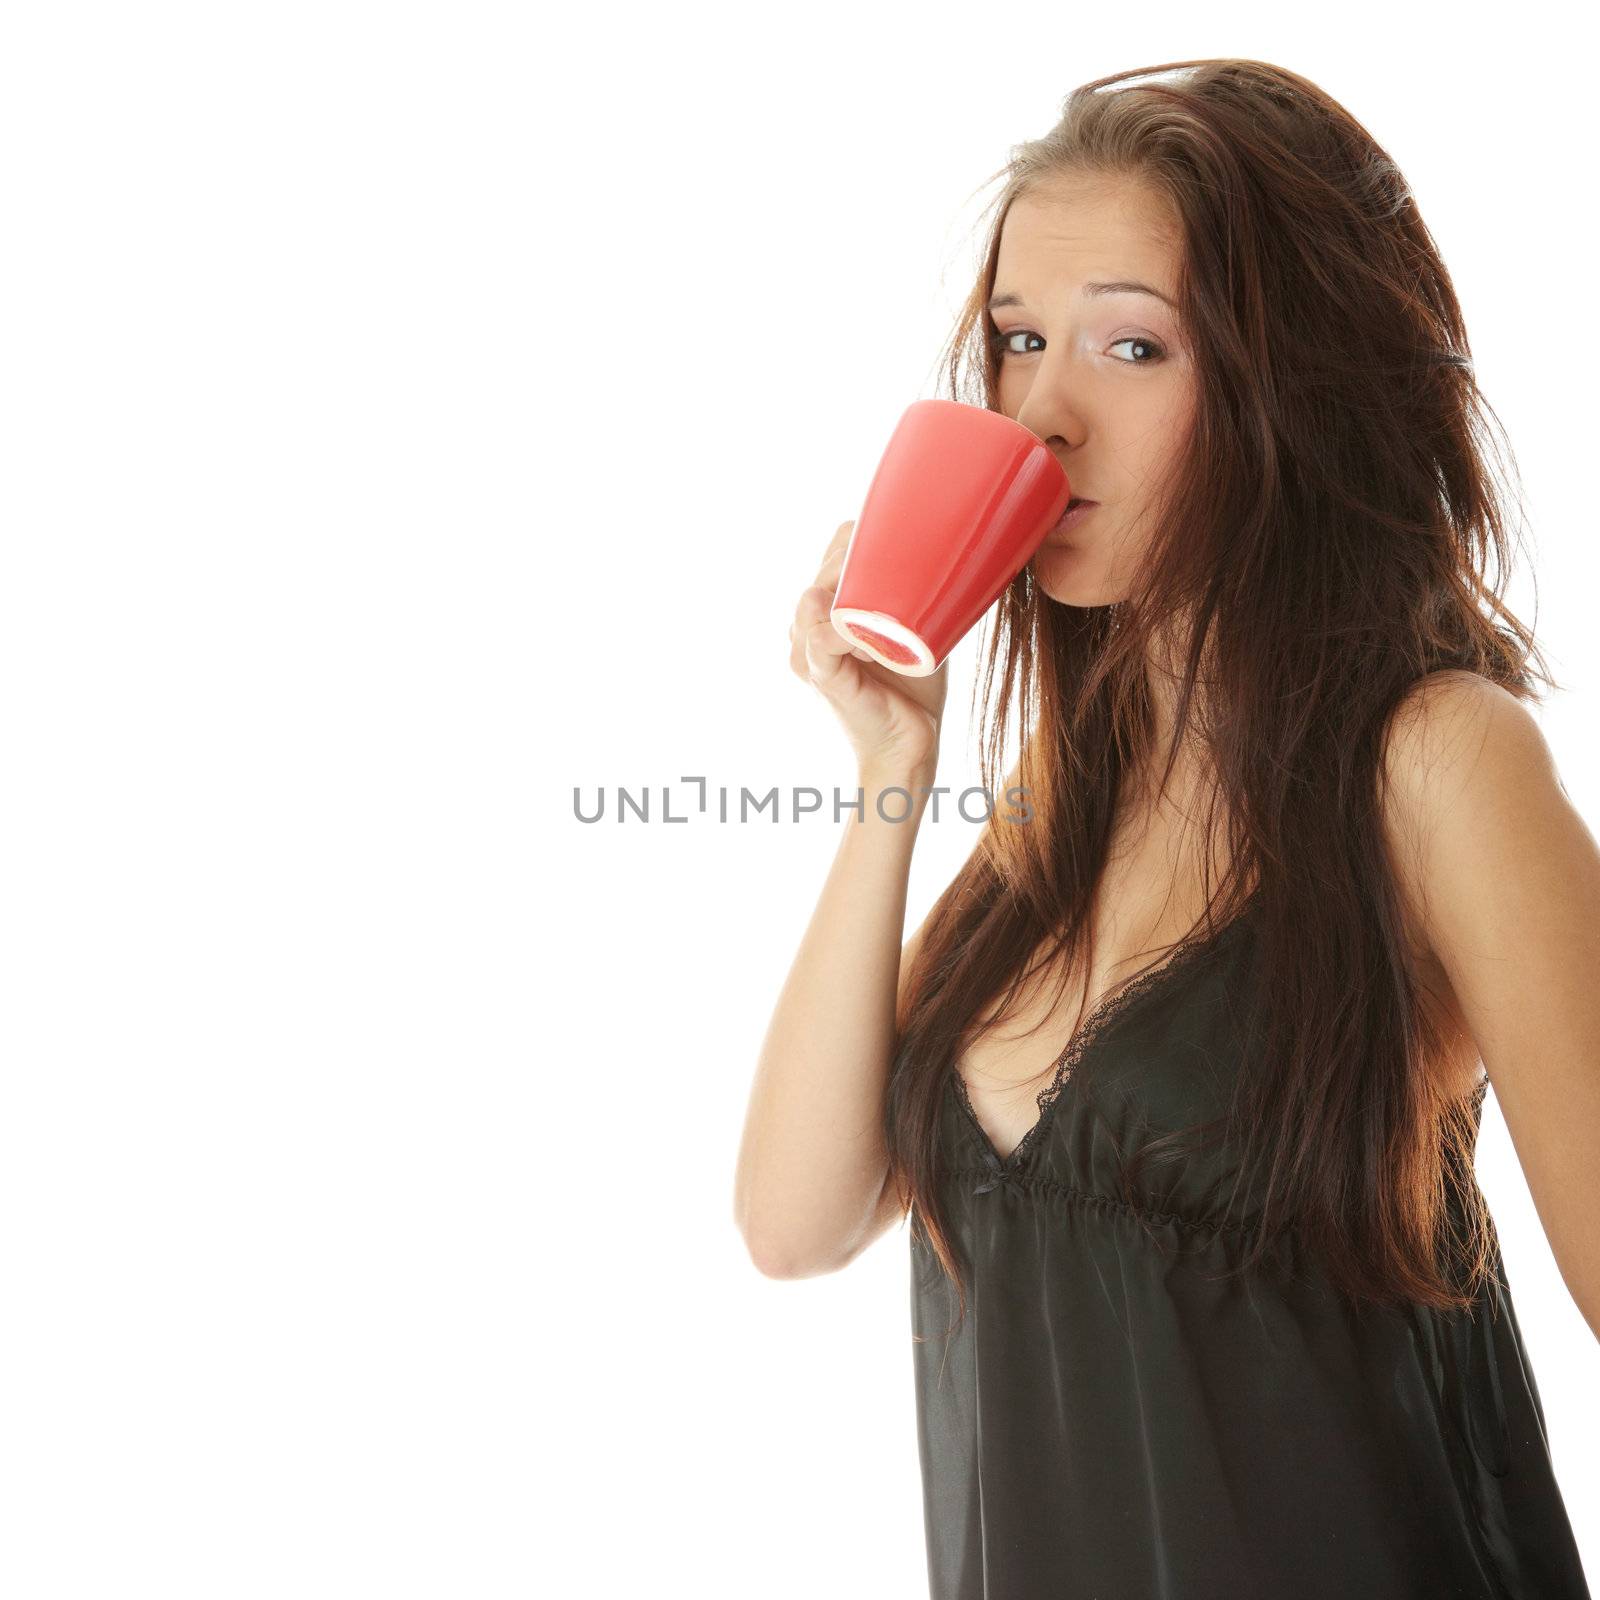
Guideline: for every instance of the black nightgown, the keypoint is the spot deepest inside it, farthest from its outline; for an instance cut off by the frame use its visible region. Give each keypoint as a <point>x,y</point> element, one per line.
<point>1107,1424</point>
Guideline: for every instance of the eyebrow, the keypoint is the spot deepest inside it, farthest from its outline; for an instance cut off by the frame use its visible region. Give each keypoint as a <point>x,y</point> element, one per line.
<point>1121,286</point>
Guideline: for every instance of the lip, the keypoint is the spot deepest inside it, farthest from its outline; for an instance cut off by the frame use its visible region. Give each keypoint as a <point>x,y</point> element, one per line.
<point>1069,520</point>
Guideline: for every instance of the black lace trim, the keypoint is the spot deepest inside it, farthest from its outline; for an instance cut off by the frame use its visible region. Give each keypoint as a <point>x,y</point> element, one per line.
<point>1105,1011</point>
<point>1101,1015</point>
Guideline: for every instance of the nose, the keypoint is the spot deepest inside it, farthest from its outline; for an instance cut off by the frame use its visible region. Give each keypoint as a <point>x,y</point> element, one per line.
<point>1051,412</point>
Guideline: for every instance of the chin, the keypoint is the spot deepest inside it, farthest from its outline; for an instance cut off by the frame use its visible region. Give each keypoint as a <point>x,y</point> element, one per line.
<point>1067,576</point>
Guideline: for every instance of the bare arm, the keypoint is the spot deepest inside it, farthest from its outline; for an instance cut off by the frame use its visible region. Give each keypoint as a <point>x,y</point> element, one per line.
<point>809,1193</point>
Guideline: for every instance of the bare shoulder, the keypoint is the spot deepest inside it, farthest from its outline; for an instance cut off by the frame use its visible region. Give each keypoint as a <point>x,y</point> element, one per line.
<point>1453,731</point>
<point>1449,700</point>
<point>1465,764</point>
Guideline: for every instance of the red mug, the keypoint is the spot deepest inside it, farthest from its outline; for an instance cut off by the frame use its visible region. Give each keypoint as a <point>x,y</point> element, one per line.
<point>961,500</point>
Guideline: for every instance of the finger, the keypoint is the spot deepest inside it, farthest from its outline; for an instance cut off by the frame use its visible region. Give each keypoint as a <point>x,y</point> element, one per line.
<point>811,610</point>
<point>836,548</point>
<point>797,652</point>
<point>814,605</point>
<point>824,636</point>
<point>826,650</point>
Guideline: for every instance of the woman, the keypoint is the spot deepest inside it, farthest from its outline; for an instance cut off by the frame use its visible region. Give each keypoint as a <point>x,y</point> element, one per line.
<point>1180,1079</point>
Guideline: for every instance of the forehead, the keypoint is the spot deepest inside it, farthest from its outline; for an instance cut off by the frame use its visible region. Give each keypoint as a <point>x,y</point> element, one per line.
<point>1072,232</point>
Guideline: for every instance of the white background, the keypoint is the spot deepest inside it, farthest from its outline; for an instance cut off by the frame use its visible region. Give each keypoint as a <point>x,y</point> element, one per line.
<point>413,413</point>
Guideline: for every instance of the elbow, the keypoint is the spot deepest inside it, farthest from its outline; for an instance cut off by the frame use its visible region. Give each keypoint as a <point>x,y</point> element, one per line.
<point>777,1258</point>
<point>783,1240</point>
<point>787,1267</point>
<point>773,1263</point>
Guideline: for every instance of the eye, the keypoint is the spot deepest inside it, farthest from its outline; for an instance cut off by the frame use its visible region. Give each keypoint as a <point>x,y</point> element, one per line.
<point>1149,344</point>
<point>1000,346</point>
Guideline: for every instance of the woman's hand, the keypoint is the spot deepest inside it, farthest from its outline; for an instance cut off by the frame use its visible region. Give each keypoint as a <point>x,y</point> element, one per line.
<point>892,721</point>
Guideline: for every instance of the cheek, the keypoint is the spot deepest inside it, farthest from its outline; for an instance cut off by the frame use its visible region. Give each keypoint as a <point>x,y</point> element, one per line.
<point>1153,441</point>
<point>1177,411</point>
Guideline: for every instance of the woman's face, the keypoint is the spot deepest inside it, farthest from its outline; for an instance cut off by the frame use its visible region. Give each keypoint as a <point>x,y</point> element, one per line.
<point>1103,377</point>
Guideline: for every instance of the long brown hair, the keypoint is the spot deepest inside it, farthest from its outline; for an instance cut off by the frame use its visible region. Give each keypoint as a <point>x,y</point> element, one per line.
<point>1325,541</point>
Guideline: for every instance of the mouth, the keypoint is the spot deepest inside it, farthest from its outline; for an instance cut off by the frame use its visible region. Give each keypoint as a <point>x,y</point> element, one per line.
<point>1068,517</point>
